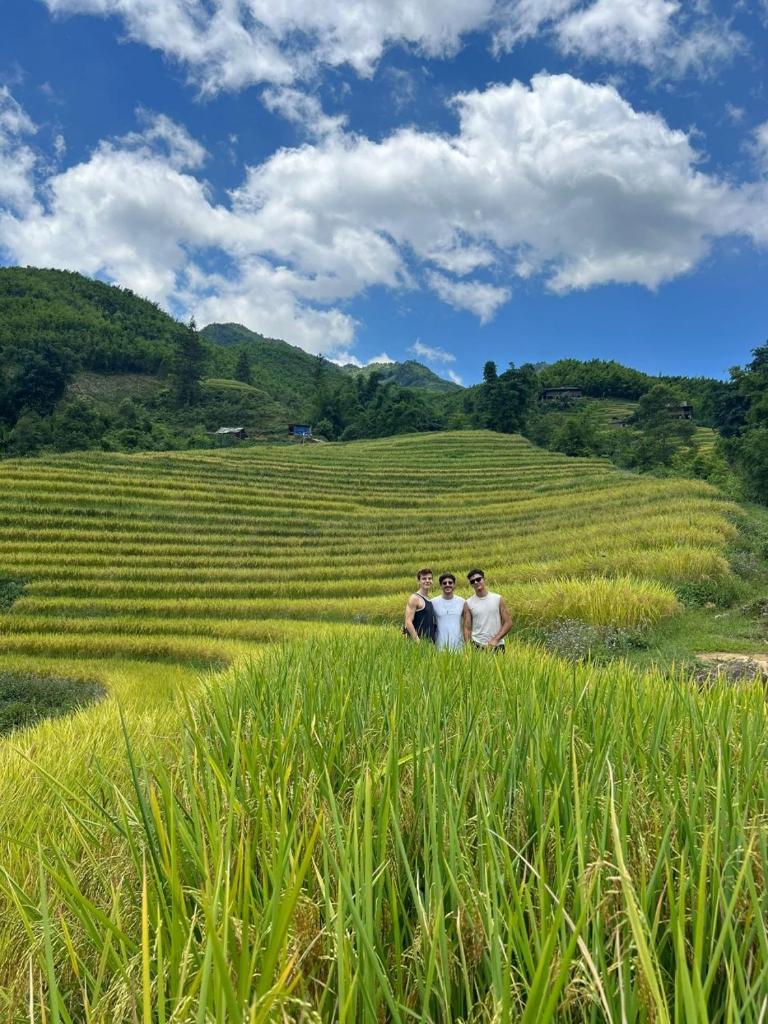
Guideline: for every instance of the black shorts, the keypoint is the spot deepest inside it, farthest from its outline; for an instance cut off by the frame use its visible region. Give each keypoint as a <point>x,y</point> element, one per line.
<point>498,649</point>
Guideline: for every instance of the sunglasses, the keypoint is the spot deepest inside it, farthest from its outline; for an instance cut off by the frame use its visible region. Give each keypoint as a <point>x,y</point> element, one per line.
<point>476,579</point>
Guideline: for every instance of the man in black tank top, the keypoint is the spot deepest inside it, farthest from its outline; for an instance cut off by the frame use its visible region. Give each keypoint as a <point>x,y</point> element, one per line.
<point>420,621</point>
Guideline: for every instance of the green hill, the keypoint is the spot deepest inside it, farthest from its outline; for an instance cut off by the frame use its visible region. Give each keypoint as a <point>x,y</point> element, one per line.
<point>409,374</point>
<point>92,325</point>
<point>286,372</point>
<point>290,373</point>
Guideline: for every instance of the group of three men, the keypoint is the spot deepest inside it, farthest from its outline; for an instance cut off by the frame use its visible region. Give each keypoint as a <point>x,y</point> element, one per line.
<point>449,621</point>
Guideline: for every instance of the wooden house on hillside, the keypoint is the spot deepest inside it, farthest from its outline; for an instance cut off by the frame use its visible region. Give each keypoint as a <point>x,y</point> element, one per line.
<point>683,411</point>
<point>229,435</point>
<point>568,394</point>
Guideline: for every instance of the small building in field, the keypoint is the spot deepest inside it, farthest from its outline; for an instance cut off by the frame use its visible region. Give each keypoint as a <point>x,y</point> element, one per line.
<point>566,393</point>
<point>230,433</point>
<point>683,411</point>
<point>300,430</point>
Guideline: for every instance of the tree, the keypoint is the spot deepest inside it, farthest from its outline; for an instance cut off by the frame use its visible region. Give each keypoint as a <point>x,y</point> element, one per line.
<point>749,454</point>
<point>661,432</point>
<point>37,380</point>
<point>579,433</point>
<point>31,433</point>
<point>516,396</point>
<point>76,427</point>
<point>243,369</point>
<point>187,366</point>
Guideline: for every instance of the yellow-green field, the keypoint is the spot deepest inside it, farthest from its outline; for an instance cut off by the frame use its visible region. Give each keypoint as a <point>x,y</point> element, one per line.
<point>185,557</point>
<point>345,827</point>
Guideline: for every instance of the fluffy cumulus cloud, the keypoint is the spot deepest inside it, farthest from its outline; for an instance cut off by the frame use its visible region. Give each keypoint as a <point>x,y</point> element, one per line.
<point>342,357</point>
<point>630,31</point>
<point>17,159</point>
<point>477,297</point>
<point>559,182</point>
<point>228,45</point>
<point>666,36</point>
<point>161,135</point>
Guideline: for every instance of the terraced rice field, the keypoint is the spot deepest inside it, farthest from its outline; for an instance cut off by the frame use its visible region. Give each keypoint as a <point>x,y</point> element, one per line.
<point>187,557</point>
<point>704,439</point>
<point>351,828</point>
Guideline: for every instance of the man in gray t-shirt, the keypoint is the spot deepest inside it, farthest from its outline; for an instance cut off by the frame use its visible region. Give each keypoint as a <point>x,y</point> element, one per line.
<point>486,618</point>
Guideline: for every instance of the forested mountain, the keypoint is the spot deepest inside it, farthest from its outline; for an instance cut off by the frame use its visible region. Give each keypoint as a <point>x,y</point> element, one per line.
<point>84,364</point>
<point>286,372</point>
<point>280,363</point>
<point>90,325</point>
<point>409,374</point>
<point>89,365</point>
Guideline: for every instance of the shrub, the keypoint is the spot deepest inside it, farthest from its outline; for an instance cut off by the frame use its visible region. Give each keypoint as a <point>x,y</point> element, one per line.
<point>10,589</point>
<point>25,699</point>
<point>577,640</point>
<point>716,590</point>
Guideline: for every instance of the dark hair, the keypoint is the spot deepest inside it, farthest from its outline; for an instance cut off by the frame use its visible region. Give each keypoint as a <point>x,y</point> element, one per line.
<point>423,572</point>
<point>475,572</point>
<point>447,576</point>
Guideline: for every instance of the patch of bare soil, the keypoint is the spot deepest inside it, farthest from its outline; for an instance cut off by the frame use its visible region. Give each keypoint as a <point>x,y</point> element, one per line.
<point>735,668</point>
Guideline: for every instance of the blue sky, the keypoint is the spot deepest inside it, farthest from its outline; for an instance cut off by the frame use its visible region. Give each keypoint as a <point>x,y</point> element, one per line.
<point>517,180</point>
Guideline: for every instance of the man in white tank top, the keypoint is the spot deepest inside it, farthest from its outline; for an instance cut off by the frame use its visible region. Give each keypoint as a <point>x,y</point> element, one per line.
<point>486,619</point>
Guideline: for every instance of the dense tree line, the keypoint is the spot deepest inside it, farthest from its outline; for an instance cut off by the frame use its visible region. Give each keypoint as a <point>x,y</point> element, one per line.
<point>741,417</point>
<point>597,378</point>
<point>369,406</point>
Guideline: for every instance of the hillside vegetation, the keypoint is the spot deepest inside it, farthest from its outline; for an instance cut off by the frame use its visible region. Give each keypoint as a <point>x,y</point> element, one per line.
<point>86,365</point>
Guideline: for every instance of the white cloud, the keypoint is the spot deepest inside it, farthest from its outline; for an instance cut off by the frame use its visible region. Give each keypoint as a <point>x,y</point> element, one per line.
<point>484,300</point>
<point>455,378</point>
<point>668,37</point>
<point>628,30</point>
<point>432,355</point>
<point>303,110</point>
<point>560,180</point>
<point>344,357</point>
<point>759,146</point>
<point>162,136</point>
<point>17,160</point>
<point>461,257</point>
<point>228,45</point>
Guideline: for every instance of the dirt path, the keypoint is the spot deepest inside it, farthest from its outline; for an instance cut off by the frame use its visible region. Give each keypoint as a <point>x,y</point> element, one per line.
<point>727,658</point>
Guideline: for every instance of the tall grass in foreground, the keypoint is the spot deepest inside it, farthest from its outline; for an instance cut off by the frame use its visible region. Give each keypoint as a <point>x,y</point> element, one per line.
<point>370,831</point>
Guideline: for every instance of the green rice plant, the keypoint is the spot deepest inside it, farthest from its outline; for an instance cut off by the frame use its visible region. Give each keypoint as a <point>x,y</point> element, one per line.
<point>364,831</point>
